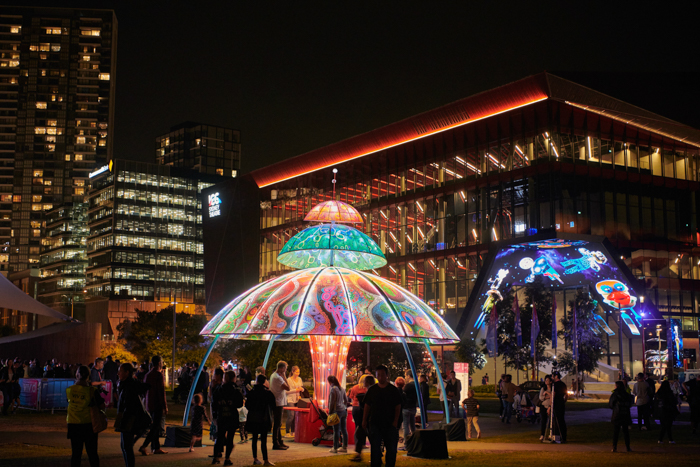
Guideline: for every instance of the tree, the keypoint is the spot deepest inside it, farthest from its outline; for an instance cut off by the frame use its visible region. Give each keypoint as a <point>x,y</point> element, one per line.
<point>251,353</point>
<point>117,350</point>
<point>469,352</point>
<point>151,333</point>
<point>588,335</point>
<point>514,356</point>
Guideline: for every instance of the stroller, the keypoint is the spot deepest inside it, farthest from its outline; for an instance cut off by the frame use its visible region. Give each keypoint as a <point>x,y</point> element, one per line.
<point>325,431</point>
<point>524,408</point>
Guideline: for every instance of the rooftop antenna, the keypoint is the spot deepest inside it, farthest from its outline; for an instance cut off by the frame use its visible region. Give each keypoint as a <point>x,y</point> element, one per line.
<point>335,171</point>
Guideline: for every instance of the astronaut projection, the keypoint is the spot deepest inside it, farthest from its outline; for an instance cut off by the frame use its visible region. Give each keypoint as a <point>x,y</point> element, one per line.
<point>561,264</point>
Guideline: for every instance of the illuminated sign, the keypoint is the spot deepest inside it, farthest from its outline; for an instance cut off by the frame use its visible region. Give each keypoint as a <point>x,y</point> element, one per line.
<point>102,169</point>
<point>214,205</point>
<point>562,264</point>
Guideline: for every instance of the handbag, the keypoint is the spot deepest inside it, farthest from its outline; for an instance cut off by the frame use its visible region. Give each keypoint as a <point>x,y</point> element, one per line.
<point>333,419</point>
<point>97,416</point>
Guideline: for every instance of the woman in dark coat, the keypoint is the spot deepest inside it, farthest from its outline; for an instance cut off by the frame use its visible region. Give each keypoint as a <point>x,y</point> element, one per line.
<point>666,401</point>
<point>132,419</point>
<point>620,403</point>
<point>260,404</point>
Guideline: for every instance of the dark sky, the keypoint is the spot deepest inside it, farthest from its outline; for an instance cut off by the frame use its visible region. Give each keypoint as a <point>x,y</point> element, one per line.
<point>294,76</point>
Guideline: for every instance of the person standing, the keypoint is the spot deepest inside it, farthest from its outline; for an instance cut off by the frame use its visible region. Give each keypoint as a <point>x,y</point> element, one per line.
<point>409,407</point>
<point>156,404</point>
<point>96,372</point>
<point>260,403</point>
<point>692,389</point>
<point>129,411</point>
<point>453,390</point>
<point>471,409</point>
<point>545,402</point>
<point>199,414</point>
<point>509,390</point>
<point>425,394</point>
<point>109,372</point>
<point>499,393</point>
<point>227,399</point>
<point>666,402</point>
<point>296,387</point>
<point>559,406</point>
<point>279,387</point>
<point>216,381</point>
<point>641,393</point>
<point>382,417</point>
<point>441,397</point>
<point>620,402</point>
<point>357,396</point>
<point>650,406</point>
<point>337,405</point>
<point>82,396</point>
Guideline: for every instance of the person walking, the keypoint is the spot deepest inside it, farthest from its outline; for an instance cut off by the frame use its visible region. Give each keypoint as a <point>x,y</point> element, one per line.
<point>620,402</point>
<point>279,387</point>
<point>453,390</point>
<point>509,389</point>
<point>156,404</point>
<point>666,402</point>
<point>471,409</point>
<point>337,404</point>
<point>641,393</point>
<point>545,403</point>
<point>227,399</point>
<point>260,403</point>
<point>242,416</point>
<point>130,422</point>
<point>561,395</point>
<point>357,410</point>
<point>296,387</point>
<point>382,417</point>
<point>82,396</point>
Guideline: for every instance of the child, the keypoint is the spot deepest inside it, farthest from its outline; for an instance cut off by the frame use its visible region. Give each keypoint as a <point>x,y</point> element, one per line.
<point>471,409</point>
<point>242,416</point>
<point>199,414</point>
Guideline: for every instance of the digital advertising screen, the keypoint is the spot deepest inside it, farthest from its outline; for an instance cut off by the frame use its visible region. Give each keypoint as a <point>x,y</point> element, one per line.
<point>656,333</point>
<point>561,264</point>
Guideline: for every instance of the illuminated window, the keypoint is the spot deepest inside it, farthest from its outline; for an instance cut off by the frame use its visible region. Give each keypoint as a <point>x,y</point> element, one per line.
<point>36,198</point>
<point>51,131</point>
<point>104,76</point>
<point>47,182</point>
<point>14,63</point>
<point>52,147</point>
<point>55,47</point>
<point>67,157</point>
<point>52,122</point>
<point>53,30</point>
<point>44,47</point>
<point>33,48</point>
<point>36,232</point>
<point>48,207</point>
<point>80,191</point>
<point>80,140</point>
<point>220,171</point>
<point>43,72</point>
<point>15,29</point>
<point>39,130</point>
<point>234,173</point>
<point>50,139</point>
<point>86,58</point>
<point>79,182</point>
<point>36,207</point>
<point>38,173</point>
<point>103,142</point>
<point>90,32</point>
<point>41,105</point>
<point>43,57</point>
<point>78,157</point>
<point>17,198</point>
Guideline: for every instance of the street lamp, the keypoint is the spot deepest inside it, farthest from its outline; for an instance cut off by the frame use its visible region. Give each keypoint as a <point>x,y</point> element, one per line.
<point>172,382</point>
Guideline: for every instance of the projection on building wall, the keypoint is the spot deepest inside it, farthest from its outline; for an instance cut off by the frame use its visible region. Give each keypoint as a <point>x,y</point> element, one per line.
<point>562,264</point>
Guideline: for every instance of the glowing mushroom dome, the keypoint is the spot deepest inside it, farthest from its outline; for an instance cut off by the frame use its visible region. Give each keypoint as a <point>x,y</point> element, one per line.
<point>331,245</point>
<point>334,211</point>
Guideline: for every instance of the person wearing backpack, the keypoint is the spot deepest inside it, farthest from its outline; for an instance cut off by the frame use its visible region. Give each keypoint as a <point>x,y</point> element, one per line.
<point>621,402</point>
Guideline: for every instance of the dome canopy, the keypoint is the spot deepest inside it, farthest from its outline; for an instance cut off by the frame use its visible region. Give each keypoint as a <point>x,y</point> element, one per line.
<point>334,211</point>
<point>330,301</point>
<point>331,245</point>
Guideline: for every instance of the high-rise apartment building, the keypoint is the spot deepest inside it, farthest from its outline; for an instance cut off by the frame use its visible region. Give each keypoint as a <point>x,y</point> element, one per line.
<point>145,243</point>
<point>57,68</point>
<point>205,148</point>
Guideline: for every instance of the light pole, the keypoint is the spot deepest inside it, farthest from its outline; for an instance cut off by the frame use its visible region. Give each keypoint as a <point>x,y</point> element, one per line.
<point>172,382</point>
<point>619,325</point>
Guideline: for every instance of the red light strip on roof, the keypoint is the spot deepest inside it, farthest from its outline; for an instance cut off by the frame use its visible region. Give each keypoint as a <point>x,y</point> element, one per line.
<point>405,141</point>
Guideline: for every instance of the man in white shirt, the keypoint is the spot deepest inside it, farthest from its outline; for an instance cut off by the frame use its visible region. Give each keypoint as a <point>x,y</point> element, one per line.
<point>279,387</point>
<point>641,393</point>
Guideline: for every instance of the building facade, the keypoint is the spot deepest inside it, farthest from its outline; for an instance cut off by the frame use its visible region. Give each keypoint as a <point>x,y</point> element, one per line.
<point>205,148</point>
<point>541,153</point>
<point>144,248</point>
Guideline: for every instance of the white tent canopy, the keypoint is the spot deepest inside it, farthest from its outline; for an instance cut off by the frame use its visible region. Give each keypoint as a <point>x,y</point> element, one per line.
<point>13,298</point>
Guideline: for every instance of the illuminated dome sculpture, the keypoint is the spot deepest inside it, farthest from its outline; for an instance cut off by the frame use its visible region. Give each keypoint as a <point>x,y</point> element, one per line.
<point>331,245</point>
<point>334,211</point>
<point>329,301</point>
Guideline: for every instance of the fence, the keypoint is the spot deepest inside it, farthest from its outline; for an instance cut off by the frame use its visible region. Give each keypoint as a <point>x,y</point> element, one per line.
<point>50,393</point>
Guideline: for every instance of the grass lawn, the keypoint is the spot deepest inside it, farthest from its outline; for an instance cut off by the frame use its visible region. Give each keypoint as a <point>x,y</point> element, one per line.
<point>24,451</point>
<point>600,433</point>
<point>511,459</point>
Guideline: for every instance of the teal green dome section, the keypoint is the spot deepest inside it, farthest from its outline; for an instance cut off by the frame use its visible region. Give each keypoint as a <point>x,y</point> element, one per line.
<point>331,245</point>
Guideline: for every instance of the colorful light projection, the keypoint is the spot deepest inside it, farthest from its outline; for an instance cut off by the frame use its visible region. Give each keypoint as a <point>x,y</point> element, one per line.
<point>562,264</point>
<point>334,211</point>
<point>330,302</point>
<point>331,245</point>
<point>329,354</point>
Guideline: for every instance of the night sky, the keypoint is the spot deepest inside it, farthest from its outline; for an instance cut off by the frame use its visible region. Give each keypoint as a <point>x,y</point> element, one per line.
<point>294,76</point>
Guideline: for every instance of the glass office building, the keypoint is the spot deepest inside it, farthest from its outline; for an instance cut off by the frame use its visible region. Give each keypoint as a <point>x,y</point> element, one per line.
<point>541,153</point>
<point>145,247</point>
